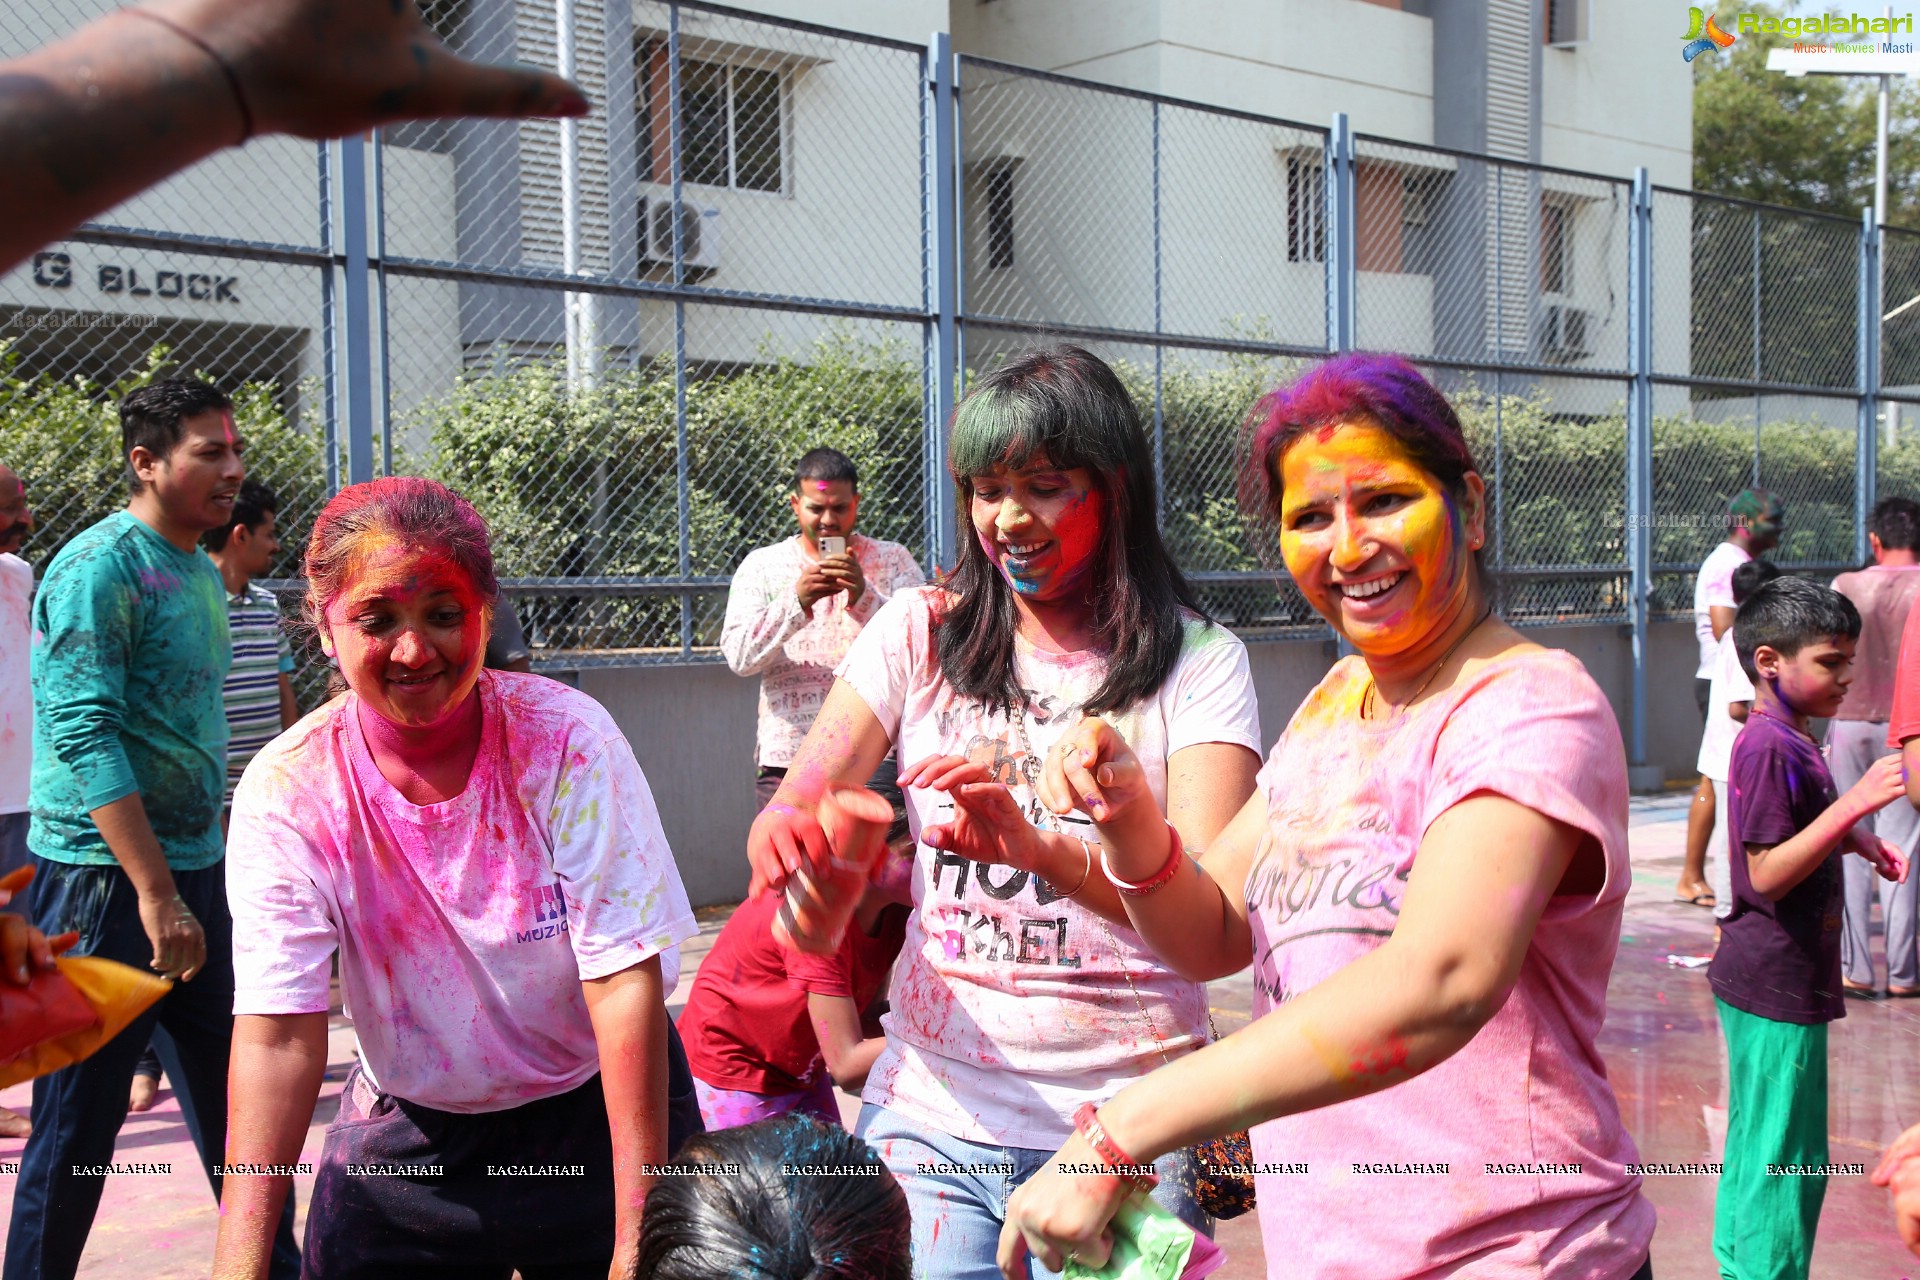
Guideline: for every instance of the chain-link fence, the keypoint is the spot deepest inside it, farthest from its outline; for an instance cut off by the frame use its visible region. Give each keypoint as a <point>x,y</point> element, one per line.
<point>617,335</point>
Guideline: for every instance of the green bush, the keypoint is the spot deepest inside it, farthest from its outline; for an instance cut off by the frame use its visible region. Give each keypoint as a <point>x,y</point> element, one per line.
<point>63,438</point>
<point>587,485</point>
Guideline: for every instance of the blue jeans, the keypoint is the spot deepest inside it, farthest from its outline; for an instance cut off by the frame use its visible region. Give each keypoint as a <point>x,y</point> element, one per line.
<point>13,854</point>
<point>957,1216</point>
<point>77,1112</point>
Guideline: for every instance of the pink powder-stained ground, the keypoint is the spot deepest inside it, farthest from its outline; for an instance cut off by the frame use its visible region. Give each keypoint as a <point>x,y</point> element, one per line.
<point>1661,1042</point>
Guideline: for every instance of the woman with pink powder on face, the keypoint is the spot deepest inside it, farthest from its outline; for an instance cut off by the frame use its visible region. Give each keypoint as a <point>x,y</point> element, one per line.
<point>483,853</point>
<point>1021,992</point>
<point>1428,884</point>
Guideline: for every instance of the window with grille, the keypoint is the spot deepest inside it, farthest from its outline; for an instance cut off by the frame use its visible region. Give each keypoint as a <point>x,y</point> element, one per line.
<point>1566,22</point>
<point>1000,216</point>
<point>1306,209</point>
<point>731,131</point>
<point>445,17</point>
<point>1556,248</point>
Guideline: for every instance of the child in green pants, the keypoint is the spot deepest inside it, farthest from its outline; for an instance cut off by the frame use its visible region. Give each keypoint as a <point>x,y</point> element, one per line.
<point>1776,974</point>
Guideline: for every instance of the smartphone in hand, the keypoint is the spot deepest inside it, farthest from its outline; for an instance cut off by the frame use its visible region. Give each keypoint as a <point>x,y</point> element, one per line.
<point>833,545</point>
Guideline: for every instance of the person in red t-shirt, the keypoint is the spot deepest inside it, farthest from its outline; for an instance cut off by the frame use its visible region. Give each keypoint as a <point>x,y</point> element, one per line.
<point>770,1030</point>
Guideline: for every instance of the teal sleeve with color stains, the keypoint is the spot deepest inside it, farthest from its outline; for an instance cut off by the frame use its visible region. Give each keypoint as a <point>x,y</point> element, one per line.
<point>85,624</point>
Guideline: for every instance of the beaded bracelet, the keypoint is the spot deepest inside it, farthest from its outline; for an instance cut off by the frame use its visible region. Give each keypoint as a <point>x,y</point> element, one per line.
<point>1086,1122</point>
<point>1176,855</point>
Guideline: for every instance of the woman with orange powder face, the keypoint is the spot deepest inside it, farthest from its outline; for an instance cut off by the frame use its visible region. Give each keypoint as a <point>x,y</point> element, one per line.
<point>482,852</point>
<point>1428,882</point>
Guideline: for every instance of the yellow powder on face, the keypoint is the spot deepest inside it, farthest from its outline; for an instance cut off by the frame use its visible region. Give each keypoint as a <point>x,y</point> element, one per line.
<point>1343,474</point>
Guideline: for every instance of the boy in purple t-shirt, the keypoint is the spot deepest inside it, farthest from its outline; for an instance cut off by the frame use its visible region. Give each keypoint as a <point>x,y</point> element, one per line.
<point>1776,974</point>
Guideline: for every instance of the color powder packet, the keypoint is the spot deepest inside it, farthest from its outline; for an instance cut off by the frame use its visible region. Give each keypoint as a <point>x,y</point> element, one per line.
<point>1151,1244</point>
<point>115,993</point>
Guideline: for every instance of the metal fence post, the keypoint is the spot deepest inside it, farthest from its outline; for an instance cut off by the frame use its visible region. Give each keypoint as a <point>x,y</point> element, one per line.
<point>1343,276</point>
<point>1867,429</point>
<point>943,283</point>
<point>356,338</point>
<point>329,327</point>
<point>380,329</point>
<point>1159,351</point>
<point>682,446</point>
<point>1641,776</point>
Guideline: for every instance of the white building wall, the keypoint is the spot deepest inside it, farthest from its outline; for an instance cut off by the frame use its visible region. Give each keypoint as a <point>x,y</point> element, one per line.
<point>1295,59</point>
<point>847,225</point>
<point>1622,99</point>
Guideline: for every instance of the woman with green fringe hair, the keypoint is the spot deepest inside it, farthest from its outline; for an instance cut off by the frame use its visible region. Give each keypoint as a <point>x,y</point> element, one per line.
<point>1021,996</point>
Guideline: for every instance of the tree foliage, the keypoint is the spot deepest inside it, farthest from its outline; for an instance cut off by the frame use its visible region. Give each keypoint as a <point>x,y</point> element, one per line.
<point>1802,141</point>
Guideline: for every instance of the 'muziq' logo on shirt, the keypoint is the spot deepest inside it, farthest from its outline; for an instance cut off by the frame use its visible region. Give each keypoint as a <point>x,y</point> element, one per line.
<point>549,915</point>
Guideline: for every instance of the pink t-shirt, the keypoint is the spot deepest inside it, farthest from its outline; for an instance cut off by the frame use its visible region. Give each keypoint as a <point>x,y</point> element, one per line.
<point>1349,802</point>
<point>1011,1004</point>
<point>464,928</point>
<point>1903,717</point>
<point>1884,595</point>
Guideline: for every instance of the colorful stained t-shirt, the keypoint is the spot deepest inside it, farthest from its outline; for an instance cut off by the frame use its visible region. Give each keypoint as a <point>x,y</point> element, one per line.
<point>1884,594</point>
<point>16,685</point>
<point>252,692</point>
<point>464,928</point>
<point>793,650</point>
<point>1779,960</point>
<point>1349,802</point>
<point>1012,1005</point>
<point>130,650</point>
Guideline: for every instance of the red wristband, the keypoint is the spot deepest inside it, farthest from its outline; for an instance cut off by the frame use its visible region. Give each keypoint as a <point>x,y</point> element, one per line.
<point>1176,855</point>
<point>1086,1122</point>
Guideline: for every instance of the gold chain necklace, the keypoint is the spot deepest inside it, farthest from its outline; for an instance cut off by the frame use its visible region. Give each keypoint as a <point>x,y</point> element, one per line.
<point>1371,698</point>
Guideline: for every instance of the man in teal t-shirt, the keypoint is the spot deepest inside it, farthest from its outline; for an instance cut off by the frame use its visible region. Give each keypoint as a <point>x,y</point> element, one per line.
<point>129,654</point>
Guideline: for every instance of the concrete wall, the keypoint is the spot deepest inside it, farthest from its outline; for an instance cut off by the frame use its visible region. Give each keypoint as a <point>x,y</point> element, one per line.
<point>692,729</point>
<point>1296,59</point>
<point>1622,99</point>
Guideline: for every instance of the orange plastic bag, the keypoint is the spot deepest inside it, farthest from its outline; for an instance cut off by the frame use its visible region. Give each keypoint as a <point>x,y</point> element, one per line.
<point>114,993</point>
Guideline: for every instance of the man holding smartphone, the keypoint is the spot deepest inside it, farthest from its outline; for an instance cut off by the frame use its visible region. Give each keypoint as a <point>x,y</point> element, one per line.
<point>794,608</point>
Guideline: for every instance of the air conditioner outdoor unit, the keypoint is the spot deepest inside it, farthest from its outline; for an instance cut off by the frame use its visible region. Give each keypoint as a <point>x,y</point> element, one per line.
<point>699,233</point>
<point>1566,332</point>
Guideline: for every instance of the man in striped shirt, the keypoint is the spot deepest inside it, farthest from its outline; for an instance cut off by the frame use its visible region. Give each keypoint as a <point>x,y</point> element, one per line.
<point>259,688</point>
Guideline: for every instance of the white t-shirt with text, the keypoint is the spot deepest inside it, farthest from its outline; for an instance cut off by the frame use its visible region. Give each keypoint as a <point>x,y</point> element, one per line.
<point>1011,1005</point>
<point>464,928</point>
<point>794,650</point>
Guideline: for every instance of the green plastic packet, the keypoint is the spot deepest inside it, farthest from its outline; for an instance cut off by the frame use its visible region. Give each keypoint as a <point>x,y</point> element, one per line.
<point>1148,1244</point>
